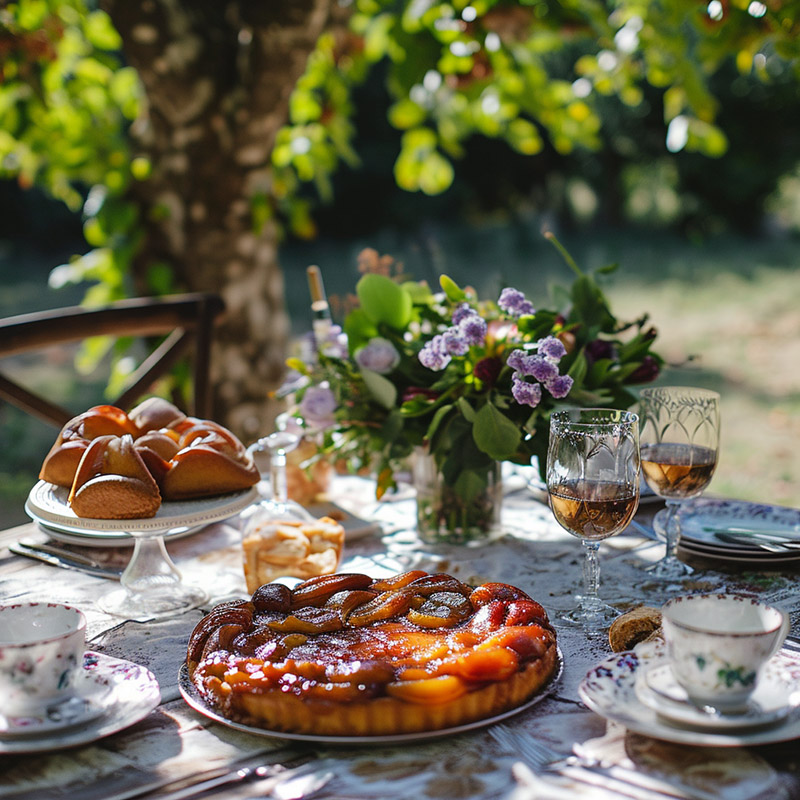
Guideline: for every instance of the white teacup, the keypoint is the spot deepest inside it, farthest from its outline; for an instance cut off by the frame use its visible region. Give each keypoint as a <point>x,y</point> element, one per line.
<point>718,646</point>
<point>41,654</point>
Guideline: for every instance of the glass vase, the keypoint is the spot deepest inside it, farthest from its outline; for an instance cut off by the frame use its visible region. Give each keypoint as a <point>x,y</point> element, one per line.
<point>445,515</point>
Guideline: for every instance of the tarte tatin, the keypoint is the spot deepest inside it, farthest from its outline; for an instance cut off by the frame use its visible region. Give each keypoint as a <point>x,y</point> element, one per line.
<point>346,655</point>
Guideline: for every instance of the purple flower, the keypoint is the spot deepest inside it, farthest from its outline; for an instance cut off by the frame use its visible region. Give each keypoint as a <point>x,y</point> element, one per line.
<point>513,302</point>
<point>528,394</point>
<point>334,345</point>
<point>559,386</point>
<point>318,404</point>
<point>551,347</point>
<point>462,311</point>
<point>541,368</point>
<point>516,359</point>
<point>454,343</point>
<point>532,364</point>
<point>379,355</point>
<point>473,328</point>
<point>433,356</point>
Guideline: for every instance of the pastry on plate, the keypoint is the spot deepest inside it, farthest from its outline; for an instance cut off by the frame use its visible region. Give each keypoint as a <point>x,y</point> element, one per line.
<point>346,655</point>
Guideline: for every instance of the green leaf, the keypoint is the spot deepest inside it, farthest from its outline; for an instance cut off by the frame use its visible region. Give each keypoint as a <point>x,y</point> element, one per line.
<point>384,302</point>
<point>382,389</point>
<point>466,409</point>
<point>495,434</point>
<point>359,329</point>
<point>454,293</point>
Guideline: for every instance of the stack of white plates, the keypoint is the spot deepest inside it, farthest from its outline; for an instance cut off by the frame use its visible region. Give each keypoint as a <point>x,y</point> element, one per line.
<point>740,532</point>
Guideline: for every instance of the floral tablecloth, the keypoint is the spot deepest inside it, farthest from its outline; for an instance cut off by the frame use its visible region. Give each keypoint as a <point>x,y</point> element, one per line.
<point>534,554</point>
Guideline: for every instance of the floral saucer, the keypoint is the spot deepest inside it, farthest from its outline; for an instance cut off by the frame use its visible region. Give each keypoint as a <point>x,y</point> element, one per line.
<point>657,688</point>
<point>112,695</point>
<point>88,702</point>
<point>609,689</point>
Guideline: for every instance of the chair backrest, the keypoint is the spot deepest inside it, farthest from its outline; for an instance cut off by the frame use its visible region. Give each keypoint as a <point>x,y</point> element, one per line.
<point>184,319</point>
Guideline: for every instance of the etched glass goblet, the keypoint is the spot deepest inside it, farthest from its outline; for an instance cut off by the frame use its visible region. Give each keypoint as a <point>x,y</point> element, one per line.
<point>679,447</point>
<point>593,484</point>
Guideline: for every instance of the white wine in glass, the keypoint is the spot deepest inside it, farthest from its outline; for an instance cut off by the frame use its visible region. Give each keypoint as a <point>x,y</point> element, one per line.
<point>680,447</point>
<point>593,483</point>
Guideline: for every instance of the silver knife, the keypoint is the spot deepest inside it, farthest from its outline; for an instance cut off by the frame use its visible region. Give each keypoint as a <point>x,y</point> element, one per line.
<point>65,560</point>
<point>261,765</point>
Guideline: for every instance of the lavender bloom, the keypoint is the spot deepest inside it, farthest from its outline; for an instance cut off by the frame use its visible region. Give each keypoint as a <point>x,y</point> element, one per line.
<point>462,311</point>
<point>473,328</point>
<point>559,387</point>
<point>516,359</point>
<point>542,369</point>
<point>454,343</point>
<point>513,302</point>
<point>318,404</point>
<point>551,347</point>
<point>433,356</point>
<point>525,393</point>
<point>378,355</point>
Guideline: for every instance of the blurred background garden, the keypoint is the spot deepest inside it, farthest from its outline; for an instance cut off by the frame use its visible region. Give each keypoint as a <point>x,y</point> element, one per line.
<point>667,141</point>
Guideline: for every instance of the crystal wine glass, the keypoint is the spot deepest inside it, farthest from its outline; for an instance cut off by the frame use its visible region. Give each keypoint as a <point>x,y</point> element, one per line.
<point>679,450</point>
<point>593,483</point>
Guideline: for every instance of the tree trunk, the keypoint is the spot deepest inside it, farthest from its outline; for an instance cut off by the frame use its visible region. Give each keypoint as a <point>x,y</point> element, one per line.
<point>217,78</point>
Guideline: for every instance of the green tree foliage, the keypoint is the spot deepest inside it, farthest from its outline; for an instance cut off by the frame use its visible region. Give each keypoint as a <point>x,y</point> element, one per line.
<point>528,72</point>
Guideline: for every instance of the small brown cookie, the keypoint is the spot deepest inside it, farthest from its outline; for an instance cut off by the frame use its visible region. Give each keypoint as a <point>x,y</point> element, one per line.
<point>633,627</point>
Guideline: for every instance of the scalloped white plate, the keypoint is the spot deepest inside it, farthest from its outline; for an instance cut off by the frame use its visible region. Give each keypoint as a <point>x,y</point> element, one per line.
<point>47,504</point>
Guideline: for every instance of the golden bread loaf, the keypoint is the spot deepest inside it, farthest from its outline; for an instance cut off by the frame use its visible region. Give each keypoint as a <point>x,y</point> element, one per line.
<point>182,457</point>
<point>112,482</point>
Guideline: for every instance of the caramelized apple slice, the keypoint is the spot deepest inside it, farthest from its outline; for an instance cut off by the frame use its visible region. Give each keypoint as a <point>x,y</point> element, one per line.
<point>441,609</point>
<point>317,591</point>
<point>489,664</point>
<point>527,641</point>
<point>384,606</point>
<point>309,620</point>
<point>428,691</point>
<point>237,613</point>
<point>496,591</point>
<point>398,581</point>
<point>344,602</point>
<point>440,582</point>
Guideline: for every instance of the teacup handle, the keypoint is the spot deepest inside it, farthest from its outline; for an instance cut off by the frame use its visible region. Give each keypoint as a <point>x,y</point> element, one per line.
<point>782,634</point>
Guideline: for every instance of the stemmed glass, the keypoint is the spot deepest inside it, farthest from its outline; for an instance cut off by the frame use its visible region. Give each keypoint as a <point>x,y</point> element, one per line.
<point>680,447</point>
<point>593,483</point>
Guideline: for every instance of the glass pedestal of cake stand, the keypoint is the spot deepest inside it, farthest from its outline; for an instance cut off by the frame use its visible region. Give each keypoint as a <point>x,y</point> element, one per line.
<point>151,585</point>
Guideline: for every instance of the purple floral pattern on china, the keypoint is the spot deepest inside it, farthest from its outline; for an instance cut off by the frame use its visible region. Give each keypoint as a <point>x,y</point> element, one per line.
<point>114,695</point>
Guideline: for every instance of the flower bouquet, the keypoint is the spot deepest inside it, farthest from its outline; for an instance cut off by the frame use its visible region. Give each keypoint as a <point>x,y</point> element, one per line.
<point>463,383</point>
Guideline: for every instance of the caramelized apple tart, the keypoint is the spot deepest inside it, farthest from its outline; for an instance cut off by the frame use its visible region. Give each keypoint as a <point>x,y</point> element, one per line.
<point>346,655</point>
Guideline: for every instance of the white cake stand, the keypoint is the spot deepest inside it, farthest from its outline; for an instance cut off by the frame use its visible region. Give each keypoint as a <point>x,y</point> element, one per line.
<point>151,585</point>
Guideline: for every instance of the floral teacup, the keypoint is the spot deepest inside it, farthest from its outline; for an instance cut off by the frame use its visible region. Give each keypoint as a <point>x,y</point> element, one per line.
<point>41,652</point>
<point>718,646</point>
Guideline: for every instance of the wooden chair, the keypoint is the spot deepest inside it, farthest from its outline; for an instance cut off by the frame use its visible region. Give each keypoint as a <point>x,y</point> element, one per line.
<point>185,319</point>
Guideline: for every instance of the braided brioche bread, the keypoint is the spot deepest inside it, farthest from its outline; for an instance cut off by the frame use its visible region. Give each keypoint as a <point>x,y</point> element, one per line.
<point>121,465</point>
